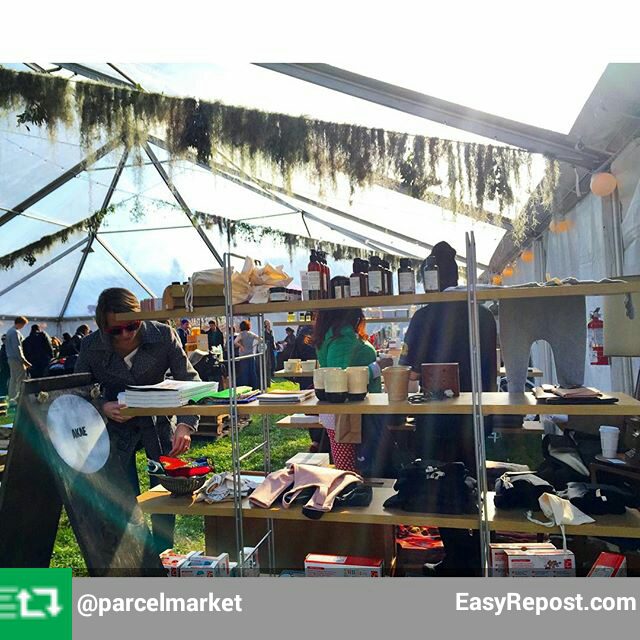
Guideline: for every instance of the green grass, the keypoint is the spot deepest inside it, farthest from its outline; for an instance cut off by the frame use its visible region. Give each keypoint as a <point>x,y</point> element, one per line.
<point>189,533</point>
<point>6,419</point>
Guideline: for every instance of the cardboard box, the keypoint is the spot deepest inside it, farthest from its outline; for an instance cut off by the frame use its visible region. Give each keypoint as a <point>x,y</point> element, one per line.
<point>314,459</point>
<point>498,565</point>
<point>609,565</point>
<point>322,566</point>
<point>219,564</point>
<point>541,563</point>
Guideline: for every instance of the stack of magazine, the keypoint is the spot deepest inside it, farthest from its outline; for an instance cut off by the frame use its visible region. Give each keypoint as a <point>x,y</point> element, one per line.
<point>285,397</point>
<point>168,393</point>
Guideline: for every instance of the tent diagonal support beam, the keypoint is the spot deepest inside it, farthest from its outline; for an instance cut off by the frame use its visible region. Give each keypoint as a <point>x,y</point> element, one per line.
<point>123,264</point>
<point>266,189</point>
<point>351,234</point>
<point>59,181</point>
<point>183,205</point>
<point>87,249</point>
<point>35,272</point>
<point>534,139</point>
<point>92,74</point>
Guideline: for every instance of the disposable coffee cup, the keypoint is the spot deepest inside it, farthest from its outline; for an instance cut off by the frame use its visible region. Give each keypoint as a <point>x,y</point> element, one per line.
<point>358,382</point>
<point>609,441</point>
<point>336,385</point>
<point>396,382</point>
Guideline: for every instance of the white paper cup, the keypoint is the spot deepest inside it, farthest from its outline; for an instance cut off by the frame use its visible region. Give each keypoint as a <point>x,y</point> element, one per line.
<point>292,365</point>
<point>308,365</point>
<point>609,441</point>
<point>336,385</point>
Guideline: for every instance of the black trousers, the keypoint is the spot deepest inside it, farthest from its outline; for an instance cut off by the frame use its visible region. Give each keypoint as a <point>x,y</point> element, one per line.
<point>155,438</point>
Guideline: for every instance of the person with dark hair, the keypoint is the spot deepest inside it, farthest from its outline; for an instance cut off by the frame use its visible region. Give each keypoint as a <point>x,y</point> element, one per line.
<point>184,330</point>
<point>340,340</point>
<point>439,332</point>
<point>135,352</point>
<point>70,349</point>
<point>246,370</point>
<point>18,363</point>
<point>215,338</point>
<point>38,351</point>
<point>287,347</point>
<point>270,346</point>
<point>4,367</point>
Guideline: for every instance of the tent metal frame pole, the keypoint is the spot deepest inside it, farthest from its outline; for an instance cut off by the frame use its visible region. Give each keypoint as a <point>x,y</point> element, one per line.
<point>180,200</point>
<point>626,366</point>
<point>534,139</point>
<point>35,272</point>
<point>540,263</point>
<point>59,181</point>
<point>92,74</point>
<point>123,264</point>
<point>87,249</point>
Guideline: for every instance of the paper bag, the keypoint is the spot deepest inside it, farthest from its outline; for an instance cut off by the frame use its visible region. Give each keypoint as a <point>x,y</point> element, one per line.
<point>348,429</point>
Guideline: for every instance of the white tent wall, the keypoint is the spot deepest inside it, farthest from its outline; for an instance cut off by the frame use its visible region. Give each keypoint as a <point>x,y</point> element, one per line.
<point>586,251</point>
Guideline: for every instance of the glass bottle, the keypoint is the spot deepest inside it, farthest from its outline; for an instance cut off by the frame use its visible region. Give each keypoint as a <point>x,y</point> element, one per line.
<point>315,276</point>
<point>406,277</point>
<point>358,282</point>
<point>430,275</point>
<point>377,280</point>
<point>388,274</point>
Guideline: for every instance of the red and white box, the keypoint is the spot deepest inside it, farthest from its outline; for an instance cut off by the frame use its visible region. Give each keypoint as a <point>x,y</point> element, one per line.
<point>172,562</point>
<point>609,565</point>
<point>211,566</point>
<point>498,565</point>
<point>321,566</point>
<point>541,563</point>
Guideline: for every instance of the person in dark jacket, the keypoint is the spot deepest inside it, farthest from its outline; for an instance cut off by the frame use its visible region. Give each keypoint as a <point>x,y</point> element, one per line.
<point>70,350</point>
<point>270,347</point>
<point>137,353</point>
<point>4,368</point>
<point>183,331</point>
<point>215,338</point>
<point>38,351</point>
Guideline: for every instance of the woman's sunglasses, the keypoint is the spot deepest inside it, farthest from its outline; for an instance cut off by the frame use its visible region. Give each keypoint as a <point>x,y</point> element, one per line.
<point>118,329</point>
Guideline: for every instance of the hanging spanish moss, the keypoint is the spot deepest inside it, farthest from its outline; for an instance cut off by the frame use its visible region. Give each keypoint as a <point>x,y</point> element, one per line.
<point>293,242</point>
<point>467,174</point>
<point>31,251</point>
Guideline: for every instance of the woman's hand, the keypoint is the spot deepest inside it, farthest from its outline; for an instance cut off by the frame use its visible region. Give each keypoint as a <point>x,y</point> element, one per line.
<point>112,411</point>
<point>385,362</point>
<point>181,441</point>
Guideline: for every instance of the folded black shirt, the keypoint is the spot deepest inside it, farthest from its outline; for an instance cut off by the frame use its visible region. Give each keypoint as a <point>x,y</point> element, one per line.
<point>520,490</point>
<point>599,499</point>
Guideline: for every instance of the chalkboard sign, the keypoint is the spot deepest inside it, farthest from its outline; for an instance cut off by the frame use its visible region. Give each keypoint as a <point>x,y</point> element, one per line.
<point>60,455</point>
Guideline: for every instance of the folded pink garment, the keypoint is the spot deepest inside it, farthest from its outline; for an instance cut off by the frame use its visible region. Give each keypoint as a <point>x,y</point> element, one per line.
<point>270,489</point>
<point>328,482</point>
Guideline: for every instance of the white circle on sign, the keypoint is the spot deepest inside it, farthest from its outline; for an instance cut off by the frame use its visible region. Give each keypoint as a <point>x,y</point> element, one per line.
<point>78,433</point>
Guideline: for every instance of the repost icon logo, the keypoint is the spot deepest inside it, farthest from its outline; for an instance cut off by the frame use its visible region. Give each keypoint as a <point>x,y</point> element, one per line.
<point>35,603</point>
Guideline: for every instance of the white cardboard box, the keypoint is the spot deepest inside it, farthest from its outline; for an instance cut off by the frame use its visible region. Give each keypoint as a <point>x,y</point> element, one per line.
<point>541,563</point>
<point>315,459</point>
<point>498,565</point>
<point>324,566</point>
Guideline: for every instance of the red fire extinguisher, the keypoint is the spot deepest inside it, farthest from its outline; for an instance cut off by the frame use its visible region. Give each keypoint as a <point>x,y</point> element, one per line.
<point>595,330</point>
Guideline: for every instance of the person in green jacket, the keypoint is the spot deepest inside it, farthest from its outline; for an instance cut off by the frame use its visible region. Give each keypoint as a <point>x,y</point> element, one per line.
<point>341,341</point>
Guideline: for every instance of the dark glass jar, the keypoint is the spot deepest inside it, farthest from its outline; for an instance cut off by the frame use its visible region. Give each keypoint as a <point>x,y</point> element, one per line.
<point>430,275</point>
<point>377,278</point>
<point>340,287</point>
<point>388,274</point>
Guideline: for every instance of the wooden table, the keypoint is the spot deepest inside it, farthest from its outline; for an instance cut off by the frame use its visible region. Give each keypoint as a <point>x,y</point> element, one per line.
<point>356,530</point>
<point>494,403</point>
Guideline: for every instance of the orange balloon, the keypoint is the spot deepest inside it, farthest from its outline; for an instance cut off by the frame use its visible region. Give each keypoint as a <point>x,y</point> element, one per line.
<point>496,280</point>
<point>603,184</point>
<point>507,272</point>
<point>527,255</point>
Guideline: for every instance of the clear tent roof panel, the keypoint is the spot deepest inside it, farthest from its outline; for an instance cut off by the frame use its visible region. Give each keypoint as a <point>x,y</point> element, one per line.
<point>100,271</point>
<point>44,292</point>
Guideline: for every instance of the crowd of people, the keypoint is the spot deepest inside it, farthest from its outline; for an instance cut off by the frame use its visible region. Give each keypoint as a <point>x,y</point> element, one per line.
<point>35,356</point>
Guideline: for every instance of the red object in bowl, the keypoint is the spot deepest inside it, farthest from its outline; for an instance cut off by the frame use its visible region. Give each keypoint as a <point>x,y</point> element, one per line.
<point>172,463</point>
<point>188,472</point>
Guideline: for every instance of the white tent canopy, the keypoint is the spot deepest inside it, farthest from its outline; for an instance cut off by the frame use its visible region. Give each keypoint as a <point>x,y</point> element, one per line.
<point>150,241</point>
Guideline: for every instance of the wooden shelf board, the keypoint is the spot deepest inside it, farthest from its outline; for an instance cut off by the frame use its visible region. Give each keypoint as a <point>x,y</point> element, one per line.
<point>626,526</point>
<point>532,372</point>
<point>290,374</point>
<point>393,301</point>
<point>495,403</point>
